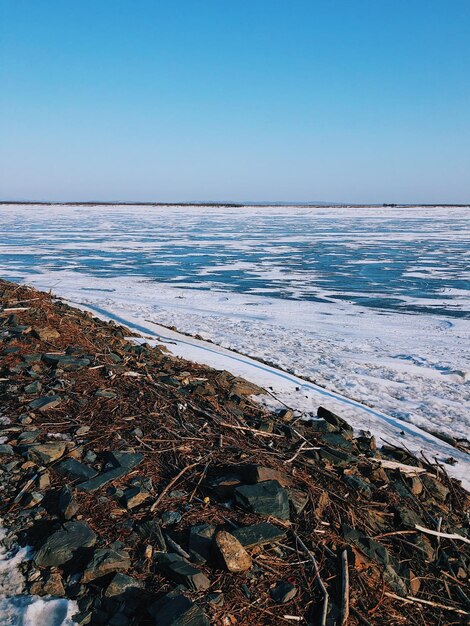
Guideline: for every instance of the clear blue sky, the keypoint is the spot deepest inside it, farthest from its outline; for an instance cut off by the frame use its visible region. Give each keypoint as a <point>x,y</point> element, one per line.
<point>334,100</point>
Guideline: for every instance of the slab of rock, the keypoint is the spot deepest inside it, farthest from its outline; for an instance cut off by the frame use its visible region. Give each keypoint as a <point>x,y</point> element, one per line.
<point>283,592</point>
<point>266,498</point>
<point>44,403</point>
<point>45,334</point>
<point>321,426</point>
<point>258,534</point>
<point>129,460</point>
<point>338,422</point>
<point>252,473</point>
<point>60,547</point>
<point>75,471</point>
<point>51,585</point>
<point>435,487</point>
<point>105,561</point>
<point>125,462</point>
<point>407,517</point>
<point>121,585</point>
<point>6,450</point>
<point>359,485</point>
<point>174,609</point>
<point>181,571</point>
<point>44,453</point>
<point>67,505</point>
<point>234,555</point>
<point>34,387</point>
<point>66,362</point>
<point>134,496</point>
<point>200,542</point>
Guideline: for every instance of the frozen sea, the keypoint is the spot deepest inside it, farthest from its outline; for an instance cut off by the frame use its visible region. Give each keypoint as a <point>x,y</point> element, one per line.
<point>371,304</point>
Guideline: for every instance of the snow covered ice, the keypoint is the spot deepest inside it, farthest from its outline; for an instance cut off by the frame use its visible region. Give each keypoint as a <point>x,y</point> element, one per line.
<point>370,304</point>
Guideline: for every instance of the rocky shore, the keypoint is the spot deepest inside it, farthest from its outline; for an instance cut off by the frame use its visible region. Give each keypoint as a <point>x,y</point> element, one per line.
<point>153,490</point>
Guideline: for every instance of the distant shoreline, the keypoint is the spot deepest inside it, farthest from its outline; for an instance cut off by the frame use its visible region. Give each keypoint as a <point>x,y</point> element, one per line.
<point>230,204</point>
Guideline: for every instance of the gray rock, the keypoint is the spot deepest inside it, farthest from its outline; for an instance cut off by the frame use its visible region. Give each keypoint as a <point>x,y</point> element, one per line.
<point>44,453</point>
<point>407,517</point>
<point>283,592</point>
<point>170,517</point>
<point>121,584</point>
<point>175,609</point>
<point>129,460</point>
<point>200,542</point>
<point>66,362</point>
<point>266,498</point>
<point>28,436</point>
<point>105,561</point>
<point>181,571</point>
<point>75,471</point>
<point>340,424</point>
<point>434,487</point>
<point>258,534</point>
<point>358,485</point>
<point>34,387</point>
<point>322,426</point>
<point>44,403</point>
<point>67,504</point>
<point>103,479</point>
<point>104,393</point>
<point>60,547</point>
<point>6,450</point>
<point>134,496</point>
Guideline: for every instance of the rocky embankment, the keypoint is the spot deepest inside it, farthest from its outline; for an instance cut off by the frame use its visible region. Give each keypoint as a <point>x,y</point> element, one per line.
<point>153,490</point>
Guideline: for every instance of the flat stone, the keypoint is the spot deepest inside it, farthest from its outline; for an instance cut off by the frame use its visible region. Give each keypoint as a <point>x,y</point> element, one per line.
<point>134,496</point>
<point>283,592</point>
<point>169,518</point>
<point>407,517</point>
<point>45,334</point>
<point>103,479</point>
<point>44,453</point>
<point>200,542</point>
<point>340,424</point>
<point>298,499</point>
<point>104,393</point>
<point>336,457</point>
<point>435,487</point>
<point>82,430</point>
<point>121,584</point>
<point>174,609</point>
<point>358,485</point>
<point>129,460</point>
<point>60,547</point>
<point>75,471</point>
<point>234,555</point>
<point>181,571</point>
<point>322,426</point>
<point>258,534</point>
<point>34,387</point>
<point>66,362</point>
<point>105,561</point>
<point>6,449</point>
<point>266,498</point>
<point>67,504</point>
<point>44,403</point>
<point>257,473</point>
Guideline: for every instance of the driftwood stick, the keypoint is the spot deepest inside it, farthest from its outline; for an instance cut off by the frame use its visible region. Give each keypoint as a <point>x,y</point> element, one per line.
<point>436,533</point>
<point>321,584</point>
<point>261,433</point>
<point>344,588</point>
<point>412,599</point>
